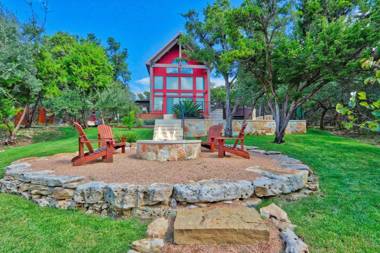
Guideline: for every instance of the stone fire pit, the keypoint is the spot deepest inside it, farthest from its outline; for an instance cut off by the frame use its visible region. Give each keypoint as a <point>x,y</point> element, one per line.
<point>168,150</point>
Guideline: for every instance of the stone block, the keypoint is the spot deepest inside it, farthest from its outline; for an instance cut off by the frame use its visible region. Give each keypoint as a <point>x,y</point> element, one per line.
<point>220,226</point>
<point>124,196</point>
<point>158,193</point>
<point>213,191</point>
<point>60,193</point>
<point>90,193</point>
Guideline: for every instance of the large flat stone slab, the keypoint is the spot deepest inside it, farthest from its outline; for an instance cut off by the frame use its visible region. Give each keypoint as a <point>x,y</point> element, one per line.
<point>220,226</point>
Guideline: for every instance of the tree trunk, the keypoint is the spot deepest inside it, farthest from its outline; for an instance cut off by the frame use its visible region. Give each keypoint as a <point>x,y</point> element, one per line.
<point>228,128</point>
<point>281,115</point>
<point>322,119</point>
<point>34,109</point>
<point>12,135</point>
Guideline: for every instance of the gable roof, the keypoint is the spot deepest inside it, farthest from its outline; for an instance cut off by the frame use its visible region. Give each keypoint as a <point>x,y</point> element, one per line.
<point>157,56</point>
<point>164,50</point>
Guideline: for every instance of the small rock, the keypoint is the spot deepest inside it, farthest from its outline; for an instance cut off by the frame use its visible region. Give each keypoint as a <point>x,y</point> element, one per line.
<point>60,193</point>
<point>282,225</point>
<point>293,244</point>
<point>148,245</point>
<point>158,228</point>
<point>272,153</point>
<point>192,206</point>
<point>253,202</point>
<point>41,202</point>
<point>173,203</point>
<point>274,211</point>
<point>132,251</point>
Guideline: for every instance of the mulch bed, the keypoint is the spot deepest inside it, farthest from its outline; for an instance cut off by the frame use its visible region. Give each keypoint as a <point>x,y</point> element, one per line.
<point>126,168</point>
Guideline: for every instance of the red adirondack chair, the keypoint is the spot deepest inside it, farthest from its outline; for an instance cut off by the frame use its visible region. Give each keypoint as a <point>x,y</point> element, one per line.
<point>105,135</point>
<point>105,152</point>
<point>213,133</point>
<point>234,149</point>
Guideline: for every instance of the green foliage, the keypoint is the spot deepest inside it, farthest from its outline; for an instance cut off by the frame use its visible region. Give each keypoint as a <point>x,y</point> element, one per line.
<point>71,104</point>
<point>187,108</point>
<point>363,109</point>
<point>74,70</point>
<point>218,96</point>
<point>18,83</point>
<point>114,101</point>
<point>131,137</point>
<point>139,122</point>
<point>294,49</point>
<point>129,120</point>
<point>118,58</point>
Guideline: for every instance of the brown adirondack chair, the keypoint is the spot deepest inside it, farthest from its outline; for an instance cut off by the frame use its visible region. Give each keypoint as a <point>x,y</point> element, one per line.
<point>105,135</point>
<point>105,152</point>
<point>213,133</point>
<point>234,149</point>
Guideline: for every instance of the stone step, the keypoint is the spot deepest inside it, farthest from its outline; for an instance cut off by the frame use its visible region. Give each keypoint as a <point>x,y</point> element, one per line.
<point>220,226</point>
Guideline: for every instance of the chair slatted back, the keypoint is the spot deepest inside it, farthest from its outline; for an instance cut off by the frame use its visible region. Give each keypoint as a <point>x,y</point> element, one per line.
<point>241,135</point>
<point>214,132</point>
<point>83,136</point>
<point>105,134</point>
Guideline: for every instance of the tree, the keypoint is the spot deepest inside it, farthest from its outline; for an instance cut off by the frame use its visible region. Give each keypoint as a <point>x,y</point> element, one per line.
<point>33,31</point>
<point>118,58</point>
<point>18,83</point>
<point>300,48</point>
<point>212,40</point>
<point>69,63</point>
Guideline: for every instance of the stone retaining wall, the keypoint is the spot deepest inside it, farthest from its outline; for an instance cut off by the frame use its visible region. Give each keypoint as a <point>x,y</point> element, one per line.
<point>125,200</point>
<point>199,127</point>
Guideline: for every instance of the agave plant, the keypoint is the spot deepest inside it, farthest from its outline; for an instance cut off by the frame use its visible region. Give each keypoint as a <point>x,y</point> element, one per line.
<point>187,108</point>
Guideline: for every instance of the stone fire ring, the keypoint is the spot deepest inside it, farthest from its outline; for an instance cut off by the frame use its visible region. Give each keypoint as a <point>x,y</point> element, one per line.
<point>166,150</point>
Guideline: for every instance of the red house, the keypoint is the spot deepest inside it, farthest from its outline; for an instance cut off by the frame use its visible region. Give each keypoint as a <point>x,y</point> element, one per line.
<point>175,78</point>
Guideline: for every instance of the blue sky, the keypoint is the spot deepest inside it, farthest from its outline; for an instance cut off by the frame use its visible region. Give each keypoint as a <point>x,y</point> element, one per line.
<point>143,27</point>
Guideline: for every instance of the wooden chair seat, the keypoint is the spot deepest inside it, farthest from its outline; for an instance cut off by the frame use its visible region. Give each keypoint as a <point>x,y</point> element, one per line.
<point>234,149</point>
<point>105,135</point>
<point>213,133</point>
<point>105,152</point>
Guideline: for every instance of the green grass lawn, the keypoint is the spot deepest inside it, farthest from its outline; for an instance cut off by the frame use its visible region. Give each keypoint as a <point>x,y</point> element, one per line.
<point>345,218</point>
<point>26,227</point>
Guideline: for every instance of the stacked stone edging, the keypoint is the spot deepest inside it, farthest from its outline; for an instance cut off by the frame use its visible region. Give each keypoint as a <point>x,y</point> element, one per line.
<point>158,199</point>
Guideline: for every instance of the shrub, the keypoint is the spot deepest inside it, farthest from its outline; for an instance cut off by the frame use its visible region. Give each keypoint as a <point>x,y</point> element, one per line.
<point>131,137</point>
<point>129,120</point>
<point>139,123</point>
<point>187,108</point>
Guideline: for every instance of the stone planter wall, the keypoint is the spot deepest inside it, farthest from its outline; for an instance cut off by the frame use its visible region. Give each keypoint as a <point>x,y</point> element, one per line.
<point>199,127</point>
<point>124,200</point>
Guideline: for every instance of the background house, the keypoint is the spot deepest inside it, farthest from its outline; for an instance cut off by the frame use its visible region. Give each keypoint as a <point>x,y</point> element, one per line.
<point>173,78</point>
